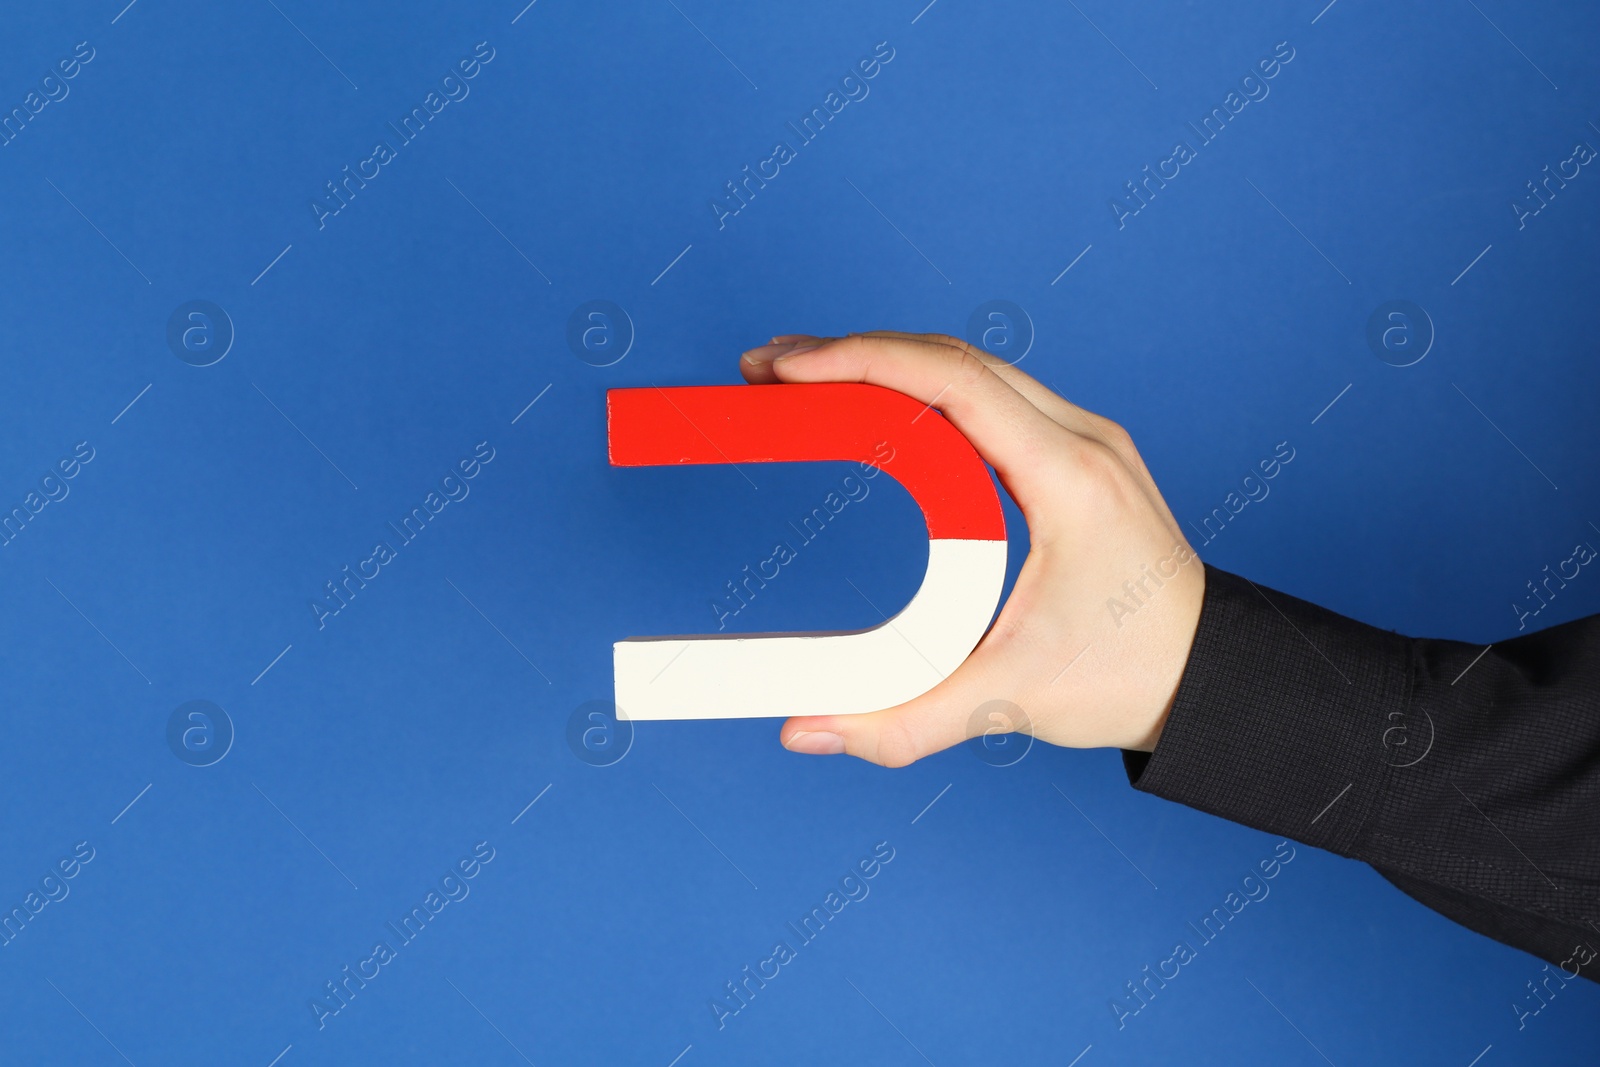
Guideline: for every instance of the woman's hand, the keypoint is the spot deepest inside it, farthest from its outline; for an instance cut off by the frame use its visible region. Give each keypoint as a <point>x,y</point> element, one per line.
<point>1093,640</point>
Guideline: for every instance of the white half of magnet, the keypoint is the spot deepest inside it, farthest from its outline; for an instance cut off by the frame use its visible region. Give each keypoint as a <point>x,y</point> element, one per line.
<point>758,676</point>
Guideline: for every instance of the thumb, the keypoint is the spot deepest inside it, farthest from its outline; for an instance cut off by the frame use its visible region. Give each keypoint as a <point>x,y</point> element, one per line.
<point>960,707</point>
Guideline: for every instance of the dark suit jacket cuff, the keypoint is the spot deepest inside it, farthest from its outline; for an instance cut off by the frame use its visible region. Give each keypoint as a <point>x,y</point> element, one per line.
<point>1280,716</point>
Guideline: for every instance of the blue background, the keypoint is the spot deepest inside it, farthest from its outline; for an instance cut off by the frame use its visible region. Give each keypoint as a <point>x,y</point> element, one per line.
<point>426,315</point>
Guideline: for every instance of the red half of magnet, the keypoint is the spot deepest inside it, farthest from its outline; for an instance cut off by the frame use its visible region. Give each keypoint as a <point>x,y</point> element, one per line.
<point>841,421</point>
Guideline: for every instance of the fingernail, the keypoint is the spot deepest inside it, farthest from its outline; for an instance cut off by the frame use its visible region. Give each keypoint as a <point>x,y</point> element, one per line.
<point>814,743</point>
<point>781,350</point>
<point>767,353</point>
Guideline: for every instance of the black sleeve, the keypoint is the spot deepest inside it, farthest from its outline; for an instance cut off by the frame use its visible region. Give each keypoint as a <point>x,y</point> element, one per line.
<point>1469,778</point>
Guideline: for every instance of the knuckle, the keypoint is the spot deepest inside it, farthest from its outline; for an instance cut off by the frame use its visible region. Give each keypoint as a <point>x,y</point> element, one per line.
<point>856,343</point>
<point>992,362</point>
<point>1054,449</point>
<point>968,370</point>
<point>1100,471</point>
<point>1117,434</point>
<point>896,744</point>
<point>1102,461</point>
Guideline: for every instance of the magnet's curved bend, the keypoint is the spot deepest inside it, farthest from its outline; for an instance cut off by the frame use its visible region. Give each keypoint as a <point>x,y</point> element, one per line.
<point>758,675</point>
